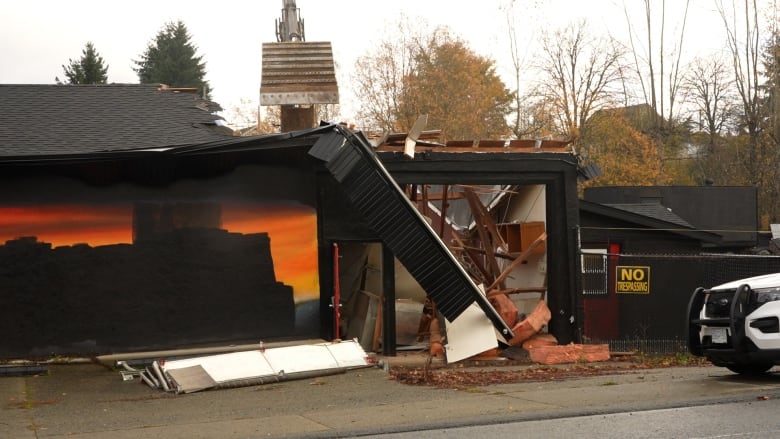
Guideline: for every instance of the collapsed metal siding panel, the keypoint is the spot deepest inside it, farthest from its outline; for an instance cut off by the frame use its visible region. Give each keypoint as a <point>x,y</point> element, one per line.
<point>298,73</point>
<point>383,205</point>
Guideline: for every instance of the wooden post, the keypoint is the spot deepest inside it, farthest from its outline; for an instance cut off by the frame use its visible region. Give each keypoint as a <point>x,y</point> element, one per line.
<point>388,302</point>
<point>295,117</point>
<point>443,218</point>
<point>481,218</point>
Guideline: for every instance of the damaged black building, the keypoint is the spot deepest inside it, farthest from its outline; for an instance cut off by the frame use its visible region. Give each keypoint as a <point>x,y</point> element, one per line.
<point>206,276</point>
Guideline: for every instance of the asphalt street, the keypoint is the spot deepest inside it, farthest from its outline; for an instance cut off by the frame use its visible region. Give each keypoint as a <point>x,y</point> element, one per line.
<point>754,419</point>
<point>91,401</point>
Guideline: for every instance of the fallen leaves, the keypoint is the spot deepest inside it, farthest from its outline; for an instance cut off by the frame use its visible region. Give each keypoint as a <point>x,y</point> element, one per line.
<point>466,378</point>
<point>460,377</point>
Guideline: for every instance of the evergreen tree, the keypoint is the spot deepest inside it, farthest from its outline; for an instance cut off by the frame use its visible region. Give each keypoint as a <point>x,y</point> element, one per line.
<point>88,70</point>
<point>170,58</point>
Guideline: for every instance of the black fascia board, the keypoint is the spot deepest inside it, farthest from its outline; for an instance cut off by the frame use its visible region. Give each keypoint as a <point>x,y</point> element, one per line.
<point>303,138</point>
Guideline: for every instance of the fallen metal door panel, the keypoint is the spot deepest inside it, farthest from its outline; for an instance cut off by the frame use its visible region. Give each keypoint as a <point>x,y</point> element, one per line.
<point>262,366</point>
<point>294,359</point>
<point>227,367</point>
<point>191,379</point>
<point>348,354</point>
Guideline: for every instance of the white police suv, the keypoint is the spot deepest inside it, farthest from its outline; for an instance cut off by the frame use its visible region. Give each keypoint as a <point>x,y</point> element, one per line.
<point>736,325</point>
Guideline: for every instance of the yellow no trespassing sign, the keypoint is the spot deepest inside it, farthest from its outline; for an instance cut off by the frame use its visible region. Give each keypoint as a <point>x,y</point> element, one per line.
<point>632,279</point>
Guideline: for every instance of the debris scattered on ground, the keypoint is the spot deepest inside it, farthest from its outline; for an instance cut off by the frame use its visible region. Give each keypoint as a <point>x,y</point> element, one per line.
<point>479,374</point>
<point>531,325</point>
<point>570,353</point>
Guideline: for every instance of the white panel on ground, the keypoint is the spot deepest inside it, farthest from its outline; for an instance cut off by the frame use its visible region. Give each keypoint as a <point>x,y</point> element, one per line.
<point>228,367</point>
<point>243,368</point>
<point>470,334</point>
<point>348,354</point>
<point>293,359</point>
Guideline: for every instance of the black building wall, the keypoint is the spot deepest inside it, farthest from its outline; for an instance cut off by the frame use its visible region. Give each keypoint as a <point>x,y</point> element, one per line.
<point>66,310</point>
<point>731,211</point>
<point>187,282</point>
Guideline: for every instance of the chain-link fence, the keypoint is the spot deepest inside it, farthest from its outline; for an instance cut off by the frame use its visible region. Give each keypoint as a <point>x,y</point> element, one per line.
<point>647,346</point>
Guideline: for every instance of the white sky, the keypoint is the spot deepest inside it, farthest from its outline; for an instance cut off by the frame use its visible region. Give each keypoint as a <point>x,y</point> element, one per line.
<point>37,37</point>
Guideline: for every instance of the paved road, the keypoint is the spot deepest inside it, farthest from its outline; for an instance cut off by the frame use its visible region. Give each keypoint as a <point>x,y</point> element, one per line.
<point>754,420</point>
<point>89,401</point>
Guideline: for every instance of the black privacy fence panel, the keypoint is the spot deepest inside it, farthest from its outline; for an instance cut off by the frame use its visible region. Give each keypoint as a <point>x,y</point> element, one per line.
<point>651,317</point>
<point>722,269</point>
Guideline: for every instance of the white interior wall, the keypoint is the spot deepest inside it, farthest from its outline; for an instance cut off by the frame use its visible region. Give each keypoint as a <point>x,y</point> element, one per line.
<point>527,204</point>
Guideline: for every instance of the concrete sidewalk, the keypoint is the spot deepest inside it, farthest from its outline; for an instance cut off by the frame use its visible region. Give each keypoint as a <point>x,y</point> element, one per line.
<point>90,401</point>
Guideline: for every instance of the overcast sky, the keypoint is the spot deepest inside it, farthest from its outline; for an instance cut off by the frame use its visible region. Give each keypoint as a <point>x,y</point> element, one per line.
<point>37,37</point>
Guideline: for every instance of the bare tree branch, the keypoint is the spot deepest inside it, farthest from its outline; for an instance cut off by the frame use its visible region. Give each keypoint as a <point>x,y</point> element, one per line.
<point>578,73</point>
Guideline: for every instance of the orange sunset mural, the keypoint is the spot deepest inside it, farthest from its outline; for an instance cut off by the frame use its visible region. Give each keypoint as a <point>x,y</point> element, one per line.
<point>292,229</point>
<point>293,232</point>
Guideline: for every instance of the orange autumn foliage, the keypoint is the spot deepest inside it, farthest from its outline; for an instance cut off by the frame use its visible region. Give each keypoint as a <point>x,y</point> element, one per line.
<point>626,156</point>
<point>459,90</point>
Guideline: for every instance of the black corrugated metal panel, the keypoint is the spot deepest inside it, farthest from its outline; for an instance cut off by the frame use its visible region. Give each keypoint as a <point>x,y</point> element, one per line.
<point>383,205</point>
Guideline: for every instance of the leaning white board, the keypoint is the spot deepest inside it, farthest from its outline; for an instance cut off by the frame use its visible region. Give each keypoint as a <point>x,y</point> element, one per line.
<point>470,334</point>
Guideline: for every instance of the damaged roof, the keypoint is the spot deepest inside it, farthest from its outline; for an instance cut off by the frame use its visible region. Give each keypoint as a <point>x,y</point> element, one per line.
<point>653,210</point>
<point>384,206</point>
<point>649,216</point>
<point>44,119</point>
<point>431,141</point>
